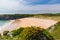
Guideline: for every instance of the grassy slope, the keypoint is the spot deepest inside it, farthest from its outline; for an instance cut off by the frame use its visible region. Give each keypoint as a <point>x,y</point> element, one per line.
<point>28,33</point>
<point>53,17</point>
<point>56,31</point>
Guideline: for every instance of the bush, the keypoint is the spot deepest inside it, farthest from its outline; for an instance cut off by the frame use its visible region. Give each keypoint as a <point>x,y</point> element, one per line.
<point>56,32</point>
<point>28,33</point>
<point>48,35</point>
<point>17,32</point>
<point>35,33</point>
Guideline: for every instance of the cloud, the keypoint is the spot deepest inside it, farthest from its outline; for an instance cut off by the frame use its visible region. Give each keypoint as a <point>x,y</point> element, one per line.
<point>21,6</point>
<point>9,4</point>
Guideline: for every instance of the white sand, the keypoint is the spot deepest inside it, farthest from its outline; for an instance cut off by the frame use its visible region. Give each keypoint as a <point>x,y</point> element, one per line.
<point>24,22</point>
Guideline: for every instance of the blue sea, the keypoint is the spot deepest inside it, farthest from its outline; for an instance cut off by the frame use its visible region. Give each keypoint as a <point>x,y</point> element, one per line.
<point>2,22</point>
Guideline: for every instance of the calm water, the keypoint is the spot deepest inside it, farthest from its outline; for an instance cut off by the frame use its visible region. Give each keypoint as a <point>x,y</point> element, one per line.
<point>2,22</point>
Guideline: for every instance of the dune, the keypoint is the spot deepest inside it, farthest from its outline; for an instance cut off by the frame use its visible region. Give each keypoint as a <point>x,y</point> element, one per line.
<point>27,22</point>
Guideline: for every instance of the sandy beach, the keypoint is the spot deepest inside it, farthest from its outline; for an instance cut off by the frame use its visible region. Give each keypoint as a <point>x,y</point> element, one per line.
<point>27,22</point>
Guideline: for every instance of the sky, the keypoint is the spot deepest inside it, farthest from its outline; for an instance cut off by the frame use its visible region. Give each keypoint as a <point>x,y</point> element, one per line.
<point>29,6</point>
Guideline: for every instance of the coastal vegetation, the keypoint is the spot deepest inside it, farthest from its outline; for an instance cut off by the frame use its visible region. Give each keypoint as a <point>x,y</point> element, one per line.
<point>28,33</point>
<point>56,32</point>
<point>18,16</point>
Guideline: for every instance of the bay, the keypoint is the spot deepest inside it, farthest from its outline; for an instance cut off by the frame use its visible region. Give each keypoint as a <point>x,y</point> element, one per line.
<point>2,22</point>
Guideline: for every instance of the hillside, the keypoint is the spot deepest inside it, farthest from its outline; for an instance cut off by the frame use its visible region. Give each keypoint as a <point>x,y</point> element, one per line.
<point>18,16</point>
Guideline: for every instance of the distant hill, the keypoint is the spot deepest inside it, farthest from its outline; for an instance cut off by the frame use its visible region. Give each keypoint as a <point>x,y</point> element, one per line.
<point>18,16</point>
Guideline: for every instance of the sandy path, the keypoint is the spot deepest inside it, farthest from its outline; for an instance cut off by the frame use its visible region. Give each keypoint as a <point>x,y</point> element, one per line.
<point>24,22</point>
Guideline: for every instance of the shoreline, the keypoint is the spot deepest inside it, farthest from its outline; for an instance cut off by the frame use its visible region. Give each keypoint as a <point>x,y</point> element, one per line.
<point>24,22</point>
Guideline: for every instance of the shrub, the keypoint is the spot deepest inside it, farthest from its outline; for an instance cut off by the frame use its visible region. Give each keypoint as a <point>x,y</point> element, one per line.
<point>17,32</point>
<point>48,35</point>
<point>29,33</point>
<point>35,33</point>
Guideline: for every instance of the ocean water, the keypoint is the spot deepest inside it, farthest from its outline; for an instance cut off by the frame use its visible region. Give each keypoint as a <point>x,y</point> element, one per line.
<point>2,22</point>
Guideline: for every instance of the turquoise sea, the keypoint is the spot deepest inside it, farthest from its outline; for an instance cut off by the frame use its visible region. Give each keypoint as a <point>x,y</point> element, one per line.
<point>2,22</point>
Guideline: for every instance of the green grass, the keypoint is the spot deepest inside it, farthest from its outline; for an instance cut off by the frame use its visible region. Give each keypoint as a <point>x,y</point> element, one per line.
<point>56,32</point>
<point>29,33</point>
